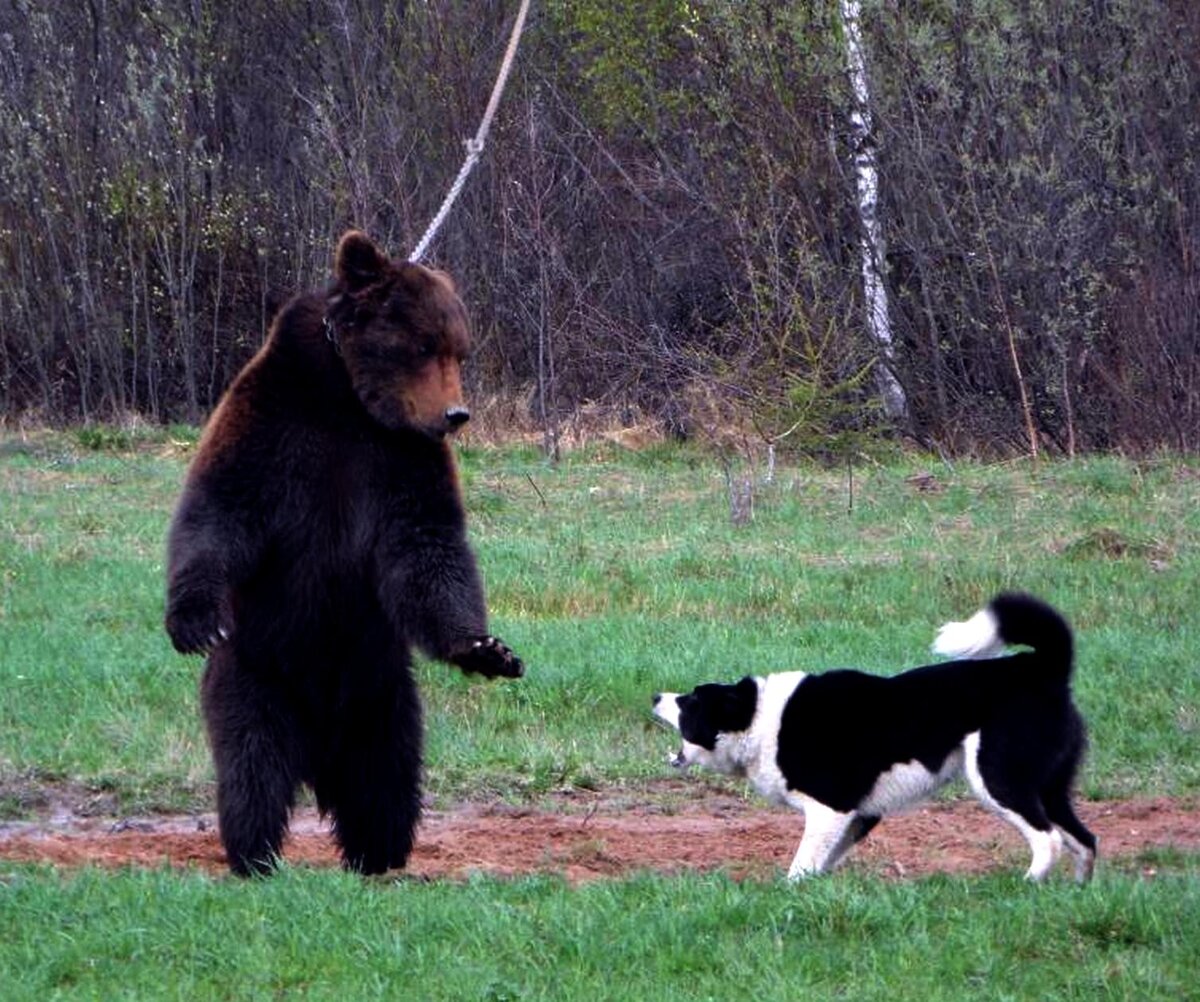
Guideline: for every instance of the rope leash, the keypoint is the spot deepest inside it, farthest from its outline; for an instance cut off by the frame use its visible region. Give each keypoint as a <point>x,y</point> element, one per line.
<point>475,145</point>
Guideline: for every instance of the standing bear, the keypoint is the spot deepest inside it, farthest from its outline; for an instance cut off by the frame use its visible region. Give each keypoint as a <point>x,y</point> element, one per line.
<point>320,536</point>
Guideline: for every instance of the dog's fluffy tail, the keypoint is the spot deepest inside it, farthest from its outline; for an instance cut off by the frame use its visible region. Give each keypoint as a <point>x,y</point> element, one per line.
<point>1010,619</point>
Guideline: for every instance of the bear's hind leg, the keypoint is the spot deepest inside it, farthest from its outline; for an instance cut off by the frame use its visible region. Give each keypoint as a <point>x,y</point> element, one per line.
<point>372,785</point>
<point>256,755</point>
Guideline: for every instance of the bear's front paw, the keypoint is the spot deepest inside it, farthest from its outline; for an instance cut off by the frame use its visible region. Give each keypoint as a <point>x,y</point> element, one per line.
<point>195,627</point>
<point>490,657</point>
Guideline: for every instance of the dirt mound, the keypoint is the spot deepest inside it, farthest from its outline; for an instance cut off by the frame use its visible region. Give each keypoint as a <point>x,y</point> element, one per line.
<point>611,839</point>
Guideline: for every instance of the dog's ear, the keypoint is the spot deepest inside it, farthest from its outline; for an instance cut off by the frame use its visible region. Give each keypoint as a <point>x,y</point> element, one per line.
<point>738,705</point>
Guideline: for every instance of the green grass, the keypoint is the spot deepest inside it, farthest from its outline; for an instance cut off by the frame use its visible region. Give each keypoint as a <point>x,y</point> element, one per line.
<point>613,575</point>
<point>325,935</point>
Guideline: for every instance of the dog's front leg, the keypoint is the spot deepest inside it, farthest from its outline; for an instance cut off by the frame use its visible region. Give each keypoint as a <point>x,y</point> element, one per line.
<point>827,836</point>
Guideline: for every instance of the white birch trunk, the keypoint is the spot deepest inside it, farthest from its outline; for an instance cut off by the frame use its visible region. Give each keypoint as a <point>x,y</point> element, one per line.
<point>866,174</point>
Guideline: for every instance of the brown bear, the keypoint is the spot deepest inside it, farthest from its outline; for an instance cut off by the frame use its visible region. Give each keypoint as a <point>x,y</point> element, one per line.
<point>320,535</point>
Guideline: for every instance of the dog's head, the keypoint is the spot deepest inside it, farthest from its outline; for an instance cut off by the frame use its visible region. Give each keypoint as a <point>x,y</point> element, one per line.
<point>709,719</point>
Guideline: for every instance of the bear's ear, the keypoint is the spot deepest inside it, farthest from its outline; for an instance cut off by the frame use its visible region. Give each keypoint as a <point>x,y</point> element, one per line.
<point>358,262</point>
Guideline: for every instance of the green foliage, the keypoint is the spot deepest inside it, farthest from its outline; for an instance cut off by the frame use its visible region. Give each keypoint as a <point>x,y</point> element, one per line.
<point>103,438</point>
<point>817,409</point>
<point>133,436</point>
<point>633,57</point>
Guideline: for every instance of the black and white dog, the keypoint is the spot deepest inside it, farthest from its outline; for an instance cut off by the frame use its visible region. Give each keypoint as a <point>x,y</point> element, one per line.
<point>846,747</point>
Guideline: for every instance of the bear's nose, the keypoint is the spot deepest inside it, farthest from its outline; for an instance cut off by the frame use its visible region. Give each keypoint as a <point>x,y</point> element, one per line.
<point>657,698</point>
<point>456,417</point>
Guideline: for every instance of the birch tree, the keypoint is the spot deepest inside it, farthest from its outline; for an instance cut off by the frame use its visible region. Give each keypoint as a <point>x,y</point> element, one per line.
<point>866,177</point>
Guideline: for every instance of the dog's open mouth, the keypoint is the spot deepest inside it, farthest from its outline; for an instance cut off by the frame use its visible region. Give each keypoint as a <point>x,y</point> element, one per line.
<point>678,760</point>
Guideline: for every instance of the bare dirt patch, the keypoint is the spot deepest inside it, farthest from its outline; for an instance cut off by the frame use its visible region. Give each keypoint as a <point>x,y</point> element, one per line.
<point>612,838</point>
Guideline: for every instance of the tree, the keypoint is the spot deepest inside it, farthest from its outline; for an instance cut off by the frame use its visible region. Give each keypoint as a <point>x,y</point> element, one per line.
<point>866,176</point>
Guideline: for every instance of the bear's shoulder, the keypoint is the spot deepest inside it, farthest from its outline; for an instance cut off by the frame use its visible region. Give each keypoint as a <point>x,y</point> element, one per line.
<point>294,381</point>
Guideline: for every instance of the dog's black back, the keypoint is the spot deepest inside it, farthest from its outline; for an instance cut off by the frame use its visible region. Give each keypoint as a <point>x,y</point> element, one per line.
<point>841,729</point>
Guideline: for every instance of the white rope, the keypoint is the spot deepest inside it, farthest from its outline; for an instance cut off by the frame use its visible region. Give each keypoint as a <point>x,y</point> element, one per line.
<point>475,144</point>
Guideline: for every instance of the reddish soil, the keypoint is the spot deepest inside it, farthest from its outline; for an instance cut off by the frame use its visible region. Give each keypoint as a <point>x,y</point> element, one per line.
<point>611,838</point>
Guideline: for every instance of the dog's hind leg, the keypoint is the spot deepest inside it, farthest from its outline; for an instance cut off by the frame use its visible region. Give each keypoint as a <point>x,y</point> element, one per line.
<point>828,834</point>
<point>1056,798</point>
<point>1021,808</point>
<point>1083,854</point>
<point>1081,842</point>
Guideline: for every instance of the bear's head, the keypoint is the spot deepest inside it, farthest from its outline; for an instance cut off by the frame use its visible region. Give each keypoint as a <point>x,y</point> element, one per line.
<point>402,332</point>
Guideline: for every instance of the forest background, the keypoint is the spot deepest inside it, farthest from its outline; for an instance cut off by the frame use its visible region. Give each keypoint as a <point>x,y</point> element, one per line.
<point>665,226</point>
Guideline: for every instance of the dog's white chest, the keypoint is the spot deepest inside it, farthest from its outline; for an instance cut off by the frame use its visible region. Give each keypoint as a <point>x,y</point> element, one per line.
<point>763,770</point>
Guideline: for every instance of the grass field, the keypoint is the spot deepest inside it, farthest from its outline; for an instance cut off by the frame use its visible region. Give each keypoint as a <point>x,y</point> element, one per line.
<point>327,936</point>
<point>613,574</point>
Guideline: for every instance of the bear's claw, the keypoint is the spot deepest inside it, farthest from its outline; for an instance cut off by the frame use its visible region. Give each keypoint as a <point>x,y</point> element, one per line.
<point>195,629</point>
<point>491,657</point>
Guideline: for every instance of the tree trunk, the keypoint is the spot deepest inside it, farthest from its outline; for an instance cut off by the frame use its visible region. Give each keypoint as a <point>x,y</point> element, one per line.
<point>866,175</point>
